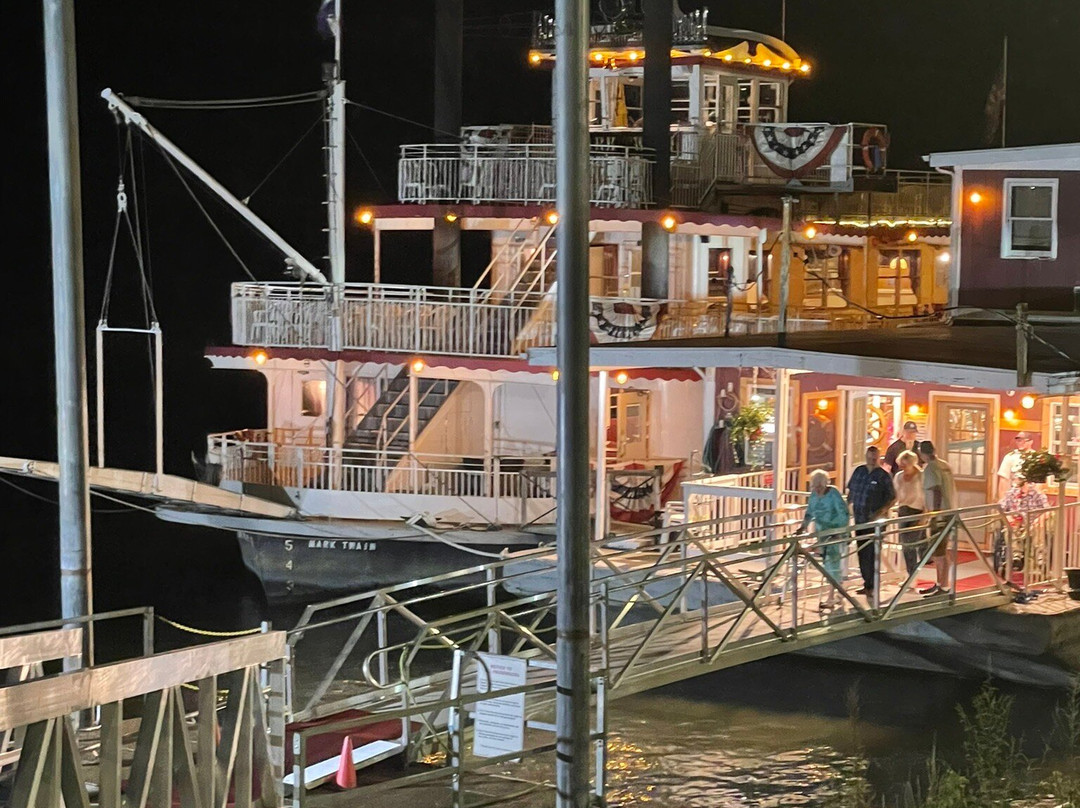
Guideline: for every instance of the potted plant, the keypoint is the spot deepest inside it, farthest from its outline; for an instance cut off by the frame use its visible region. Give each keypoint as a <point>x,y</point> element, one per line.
<point>746,428</point>
<point>1036,467</point>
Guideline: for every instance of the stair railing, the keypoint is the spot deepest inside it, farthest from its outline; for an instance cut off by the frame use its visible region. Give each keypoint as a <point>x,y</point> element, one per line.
<point>502,250</point>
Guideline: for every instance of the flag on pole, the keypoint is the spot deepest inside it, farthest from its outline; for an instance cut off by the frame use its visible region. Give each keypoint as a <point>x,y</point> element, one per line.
<point>995,104</point>
<point>325,21</point>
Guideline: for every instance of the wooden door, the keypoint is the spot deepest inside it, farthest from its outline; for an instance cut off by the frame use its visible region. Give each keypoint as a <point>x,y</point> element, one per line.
<point>822,430</point>
<point>965,437</point>
<point>632,424</point>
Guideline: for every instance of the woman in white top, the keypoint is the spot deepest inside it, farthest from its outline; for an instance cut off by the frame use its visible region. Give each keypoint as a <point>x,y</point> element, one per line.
<point>911,503</point>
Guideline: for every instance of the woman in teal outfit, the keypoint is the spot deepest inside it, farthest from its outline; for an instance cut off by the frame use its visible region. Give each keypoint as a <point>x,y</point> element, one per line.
<point>827,509</point>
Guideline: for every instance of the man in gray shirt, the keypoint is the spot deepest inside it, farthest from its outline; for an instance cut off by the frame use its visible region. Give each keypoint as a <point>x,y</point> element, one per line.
<point>939,492</point>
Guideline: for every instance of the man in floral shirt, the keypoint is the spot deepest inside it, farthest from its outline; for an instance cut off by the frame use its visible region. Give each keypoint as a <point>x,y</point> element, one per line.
<point>1023,496</point>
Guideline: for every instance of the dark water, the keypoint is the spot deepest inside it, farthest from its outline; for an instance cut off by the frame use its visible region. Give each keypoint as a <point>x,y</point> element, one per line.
<point>779,732</point>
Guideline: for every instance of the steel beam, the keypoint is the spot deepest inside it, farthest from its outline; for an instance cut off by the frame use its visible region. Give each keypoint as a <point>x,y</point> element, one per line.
<point>573,747</point>
<point>73,451</point>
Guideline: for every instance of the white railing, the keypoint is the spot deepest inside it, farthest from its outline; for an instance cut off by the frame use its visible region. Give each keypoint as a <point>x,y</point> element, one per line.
<point>373,472</point>
<point>749,495</point>
<point>424,319</point>
<point>522,173</point>
<point>464,322</point>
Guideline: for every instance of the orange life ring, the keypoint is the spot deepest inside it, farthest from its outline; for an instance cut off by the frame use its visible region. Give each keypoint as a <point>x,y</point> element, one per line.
<point>875,144</point>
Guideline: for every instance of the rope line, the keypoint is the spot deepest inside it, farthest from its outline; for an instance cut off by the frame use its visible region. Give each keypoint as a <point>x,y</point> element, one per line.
<point>50,501</point>
<point>205,632</point>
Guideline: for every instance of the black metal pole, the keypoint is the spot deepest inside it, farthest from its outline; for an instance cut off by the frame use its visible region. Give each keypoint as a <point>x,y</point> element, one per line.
<point>573,754</point>
<point>70,335</point>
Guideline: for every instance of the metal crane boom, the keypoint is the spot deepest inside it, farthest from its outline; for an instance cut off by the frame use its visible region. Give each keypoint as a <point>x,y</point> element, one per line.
<point>139,120</point>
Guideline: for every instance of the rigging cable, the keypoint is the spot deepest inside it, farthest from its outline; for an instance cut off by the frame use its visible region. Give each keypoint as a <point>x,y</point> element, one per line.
<point>358,105</point>
<point>279,163</point>
<point>226,103</point>
<point>205,213</point>
<point>367,163</point>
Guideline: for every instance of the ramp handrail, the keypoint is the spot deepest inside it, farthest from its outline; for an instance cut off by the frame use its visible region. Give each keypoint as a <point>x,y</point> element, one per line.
<point>736,596</point>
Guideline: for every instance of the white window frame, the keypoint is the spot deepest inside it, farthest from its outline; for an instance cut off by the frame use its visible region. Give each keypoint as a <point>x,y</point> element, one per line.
<point>1007,250</point>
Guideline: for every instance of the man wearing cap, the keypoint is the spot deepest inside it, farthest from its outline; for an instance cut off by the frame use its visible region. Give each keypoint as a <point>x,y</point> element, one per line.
<point>905,443</point>
<point>1010,463</point>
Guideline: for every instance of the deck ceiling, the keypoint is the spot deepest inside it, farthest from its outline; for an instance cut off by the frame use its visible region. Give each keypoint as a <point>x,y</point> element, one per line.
<point>965,355</point>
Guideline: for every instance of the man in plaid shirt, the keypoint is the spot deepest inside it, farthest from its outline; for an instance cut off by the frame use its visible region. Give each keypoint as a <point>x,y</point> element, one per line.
<point>870,494</point>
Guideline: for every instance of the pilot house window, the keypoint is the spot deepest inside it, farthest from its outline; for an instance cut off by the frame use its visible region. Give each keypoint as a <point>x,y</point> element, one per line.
<point>1029,228</point>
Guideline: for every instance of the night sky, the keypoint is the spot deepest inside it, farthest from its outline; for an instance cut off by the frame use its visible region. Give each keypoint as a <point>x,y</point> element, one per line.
<point>924,67</point>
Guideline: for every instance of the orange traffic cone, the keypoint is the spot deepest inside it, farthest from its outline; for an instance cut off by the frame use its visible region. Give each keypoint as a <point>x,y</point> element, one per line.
<point>346,774</point>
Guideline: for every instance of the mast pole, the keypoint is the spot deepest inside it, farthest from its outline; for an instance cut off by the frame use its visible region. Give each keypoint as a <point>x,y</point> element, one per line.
<point>335,207</point>
<point>572,187</point>
<point>61,95</point>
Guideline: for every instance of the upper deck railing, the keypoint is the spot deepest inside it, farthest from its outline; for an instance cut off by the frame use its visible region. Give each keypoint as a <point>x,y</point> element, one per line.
<point>477,322</point>
<point>801,157</point>
<point>895,196</point>
<point>520,173</point>
<point>629,31</point>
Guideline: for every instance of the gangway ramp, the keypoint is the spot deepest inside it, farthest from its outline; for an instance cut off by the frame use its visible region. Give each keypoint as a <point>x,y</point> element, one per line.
<point>711,596</point>
<point>163,488</point>
<point>701,597</point>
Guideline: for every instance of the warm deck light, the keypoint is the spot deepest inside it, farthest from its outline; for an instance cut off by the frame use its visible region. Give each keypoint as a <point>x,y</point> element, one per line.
<point>1028,401</point>
<point>365,216</point>
<point>786,66</point>
<point>668,222</point>
<point>727,57</point>
<point>747,60</point>
<point>767,63</point>
<point>804,67</point>
<point>554,375</point>
<point>1010,417</point>
<point>597,56</point>
<point>823,404</point>
<point>622,376</point>
<point>810,232</point>
<point>914,410</point>
<point>706,52</point>
<point>260,357</point>
<point>450,217</point>
<point>633,56</point>
<point>551,217</point>
<point>535,58</point>
<point>943,256</point>
<point>417,365</point>
<point>975,198</point>
<point>912,236</point>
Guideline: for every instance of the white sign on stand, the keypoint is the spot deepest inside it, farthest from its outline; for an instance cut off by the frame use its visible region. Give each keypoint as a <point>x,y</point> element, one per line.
<point>499,723</point>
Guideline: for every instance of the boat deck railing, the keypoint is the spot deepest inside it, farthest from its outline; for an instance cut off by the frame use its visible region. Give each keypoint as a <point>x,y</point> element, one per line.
<point>518,173</point>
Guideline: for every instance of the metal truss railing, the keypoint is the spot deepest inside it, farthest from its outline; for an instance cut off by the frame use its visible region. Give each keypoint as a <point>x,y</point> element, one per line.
<point>681,602</point>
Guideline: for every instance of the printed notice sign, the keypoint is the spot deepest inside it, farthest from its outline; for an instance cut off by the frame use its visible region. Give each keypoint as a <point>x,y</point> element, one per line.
<point>499,723</point>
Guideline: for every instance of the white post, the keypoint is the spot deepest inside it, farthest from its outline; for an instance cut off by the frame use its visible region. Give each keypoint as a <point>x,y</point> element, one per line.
<point>159,406</point>
<point>377,237</point>
<point>708,405</point>
<point>762,270</point>
<point>600,523</point>
<point>99,368</point>
<point>781,416</point>
<point>413,421</point>
<point>1058,555</point>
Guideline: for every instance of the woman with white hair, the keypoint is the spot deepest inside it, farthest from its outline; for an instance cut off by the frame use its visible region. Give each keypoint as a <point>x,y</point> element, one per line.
<point>827,509</point>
